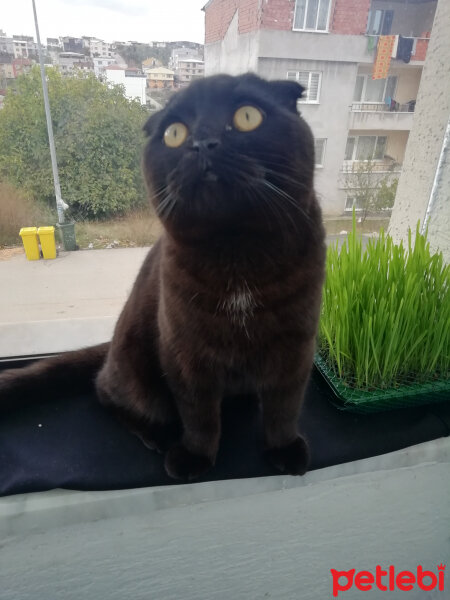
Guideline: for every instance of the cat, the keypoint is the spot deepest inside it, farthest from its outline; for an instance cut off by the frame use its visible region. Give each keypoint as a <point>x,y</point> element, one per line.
<point>228,300</point>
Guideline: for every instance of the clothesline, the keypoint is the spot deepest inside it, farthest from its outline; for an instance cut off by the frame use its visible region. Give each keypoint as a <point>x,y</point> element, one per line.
<point>413,37</point>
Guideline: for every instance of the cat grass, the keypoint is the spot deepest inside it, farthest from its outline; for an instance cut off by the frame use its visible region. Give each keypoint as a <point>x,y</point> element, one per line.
<point>385,317</point>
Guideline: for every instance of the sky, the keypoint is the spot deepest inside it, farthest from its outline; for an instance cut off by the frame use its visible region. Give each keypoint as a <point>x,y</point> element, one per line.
<point>122,20</point>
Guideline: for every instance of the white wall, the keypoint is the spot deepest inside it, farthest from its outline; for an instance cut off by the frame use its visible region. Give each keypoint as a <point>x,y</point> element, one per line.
<point>135,87</point>
<point>235,54</point>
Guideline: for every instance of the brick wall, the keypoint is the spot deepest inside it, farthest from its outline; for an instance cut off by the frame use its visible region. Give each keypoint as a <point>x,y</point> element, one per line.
<point>277,14</point>
<point>421,47</point>
<point>219,14</point>
<point>349,17</point>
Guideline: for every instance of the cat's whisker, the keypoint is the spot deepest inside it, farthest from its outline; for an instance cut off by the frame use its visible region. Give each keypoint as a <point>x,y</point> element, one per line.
<point>286,197</point>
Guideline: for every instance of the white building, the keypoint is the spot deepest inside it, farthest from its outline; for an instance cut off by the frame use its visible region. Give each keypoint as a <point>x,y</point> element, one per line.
<point>99,48</point>
<point>182,53</point>
<point>133,80</point>
<point>188,70</point>
<point>6,44</point>
<point>20,49</point>
<point>100,64</point>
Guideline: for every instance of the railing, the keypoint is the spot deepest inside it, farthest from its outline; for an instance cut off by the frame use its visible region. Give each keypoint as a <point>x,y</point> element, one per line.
<point>357,166</point>
<point>382,107</point>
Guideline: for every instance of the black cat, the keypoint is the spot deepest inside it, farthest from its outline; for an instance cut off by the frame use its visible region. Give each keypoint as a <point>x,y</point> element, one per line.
<point>227,301</point>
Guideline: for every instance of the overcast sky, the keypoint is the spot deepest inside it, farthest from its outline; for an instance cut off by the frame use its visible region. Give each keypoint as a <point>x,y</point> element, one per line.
<point>140,20</point>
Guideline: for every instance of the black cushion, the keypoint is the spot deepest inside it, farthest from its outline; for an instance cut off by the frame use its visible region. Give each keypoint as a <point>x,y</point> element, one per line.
<point>75,444</point>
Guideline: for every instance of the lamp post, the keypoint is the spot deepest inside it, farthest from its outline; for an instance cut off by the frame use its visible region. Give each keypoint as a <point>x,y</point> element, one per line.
<point>67,229</point>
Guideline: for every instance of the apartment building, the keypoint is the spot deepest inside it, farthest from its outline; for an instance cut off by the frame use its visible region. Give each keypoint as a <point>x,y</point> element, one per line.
<point>182,53</point>
<point>70,61</point>
<point>333,48</point>
<point>101,62</point>
<point>6,44</point>
<point>6,71</point>
<point>189,69</point>
<point>72,44</point>
<point>159,77</point>
<point>99,48</point>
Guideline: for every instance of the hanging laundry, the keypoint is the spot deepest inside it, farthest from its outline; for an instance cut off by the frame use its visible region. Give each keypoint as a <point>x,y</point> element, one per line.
<point>404,49</point>
<point>395,47</point>
<point>383,57</point>
<point>372,41</point>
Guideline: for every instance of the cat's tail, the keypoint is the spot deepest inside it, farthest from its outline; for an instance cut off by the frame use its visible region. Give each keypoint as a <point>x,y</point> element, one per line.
<point>71,372</point>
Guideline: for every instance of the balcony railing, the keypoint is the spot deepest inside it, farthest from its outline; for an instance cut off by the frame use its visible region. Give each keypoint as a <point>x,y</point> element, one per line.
<point>382,107</point>
<point>377,167</point>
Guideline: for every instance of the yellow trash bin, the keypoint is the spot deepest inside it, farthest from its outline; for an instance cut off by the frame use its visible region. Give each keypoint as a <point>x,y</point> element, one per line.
<point>30,242</point>
<point>47,238</point>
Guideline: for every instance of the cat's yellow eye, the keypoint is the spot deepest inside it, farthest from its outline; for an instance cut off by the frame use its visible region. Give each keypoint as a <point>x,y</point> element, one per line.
<point>175,135</point>
<point>247,118</point>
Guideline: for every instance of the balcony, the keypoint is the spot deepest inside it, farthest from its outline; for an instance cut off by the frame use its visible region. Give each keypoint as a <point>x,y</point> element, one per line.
<point>418,52</point>
<point>377,167</point>
<point>370,116</point>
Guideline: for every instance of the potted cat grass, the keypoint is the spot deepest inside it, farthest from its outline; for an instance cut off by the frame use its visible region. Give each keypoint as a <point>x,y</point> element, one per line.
<point>384,334</point>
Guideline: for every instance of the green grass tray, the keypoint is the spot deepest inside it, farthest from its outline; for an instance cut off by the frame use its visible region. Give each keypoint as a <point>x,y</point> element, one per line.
<point>411,393</point>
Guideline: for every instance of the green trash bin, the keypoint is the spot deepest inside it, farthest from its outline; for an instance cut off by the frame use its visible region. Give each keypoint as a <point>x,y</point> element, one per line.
<point>67,235</point>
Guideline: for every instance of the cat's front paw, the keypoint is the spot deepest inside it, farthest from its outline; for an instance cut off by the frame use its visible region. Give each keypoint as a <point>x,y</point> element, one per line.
<point>159,436</point>
<point>292,459</point>
<point>180,463</point>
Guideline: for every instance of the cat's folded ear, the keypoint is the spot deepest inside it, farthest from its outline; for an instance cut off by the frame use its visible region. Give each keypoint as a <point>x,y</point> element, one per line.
<point>287,93</point>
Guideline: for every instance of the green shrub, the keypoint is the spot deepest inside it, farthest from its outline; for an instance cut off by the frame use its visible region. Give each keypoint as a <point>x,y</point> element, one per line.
<point>98,138</point>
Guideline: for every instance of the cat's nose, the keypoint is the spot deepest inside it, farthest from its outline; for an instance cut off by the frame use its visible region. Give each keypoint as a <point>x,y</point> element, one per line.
<point>208,144</point>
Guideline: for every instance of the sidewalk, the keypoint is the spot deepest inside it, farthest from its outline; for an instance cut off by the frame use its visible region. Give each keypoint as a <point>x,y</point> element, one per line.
<point>87,283</point>
<point>66,303</point>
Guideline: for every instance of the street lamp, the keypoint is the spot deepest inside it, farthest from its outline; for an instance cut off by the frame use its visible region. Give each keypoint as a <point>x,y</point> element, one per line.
<point>67,229</point>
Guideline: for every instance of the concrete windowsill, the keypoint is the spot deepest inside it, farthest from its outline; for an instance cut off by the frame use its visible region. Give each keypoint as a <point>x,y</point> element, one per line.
<point>253,538</point>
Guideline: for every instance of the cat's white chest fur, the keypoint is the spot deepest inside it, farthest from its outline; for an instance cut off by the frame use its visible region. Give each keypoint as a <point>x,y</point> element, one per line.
<point>239,304</point>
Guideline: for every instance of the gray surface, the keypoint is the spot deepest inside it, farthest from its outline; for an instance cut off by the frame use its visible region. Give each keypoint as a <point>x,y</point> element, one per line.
<point>65,303</point>
<point>275,537</point>
<point>431,116</point>
<point>69,302</point>
<point>75,284</point>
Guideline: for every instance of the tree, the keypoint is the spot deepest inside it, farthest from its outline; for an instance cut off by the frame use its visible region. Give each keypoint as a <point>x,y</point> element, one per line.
<point>135,54</point>
<point>98,138</point>
<point>370,188</point>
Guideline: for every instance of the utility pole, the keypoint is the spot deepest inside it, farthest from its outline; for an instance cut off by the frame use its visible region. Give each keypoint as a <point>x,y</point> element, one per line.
<point>59,202</point>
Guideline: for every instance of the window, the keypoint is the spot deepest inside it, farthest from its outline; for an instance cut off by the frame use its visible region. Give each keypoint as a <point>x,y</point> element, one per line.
<point>366,147</point>
<point>319,151</point>
<point>311,81</point>
<point>311,15</point>
<point>351,203</point>
<point>374,90</point>
<point>380,22</point>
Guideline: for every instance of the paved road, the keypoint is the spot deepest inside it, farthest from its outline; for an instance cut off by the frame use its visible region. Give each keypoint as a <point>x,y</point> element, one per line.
<point>65,303</point>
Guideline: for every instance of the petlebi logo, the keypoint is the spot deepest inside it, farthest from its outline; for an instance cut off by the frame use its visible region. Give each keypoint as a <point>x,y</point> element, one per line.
<point>388,580</point>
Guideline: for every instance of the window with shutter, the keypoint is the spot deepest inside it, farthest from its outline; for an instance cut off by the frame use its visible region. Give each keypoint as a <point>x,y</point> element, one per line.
<point>313,88</point>
<point>319,151</point>
<point>311,81</point>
